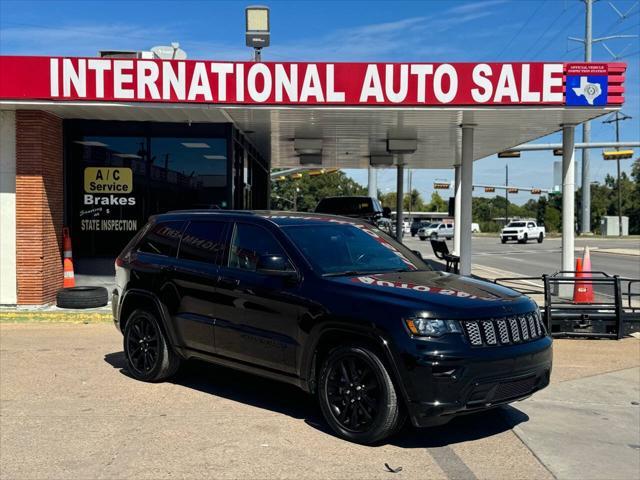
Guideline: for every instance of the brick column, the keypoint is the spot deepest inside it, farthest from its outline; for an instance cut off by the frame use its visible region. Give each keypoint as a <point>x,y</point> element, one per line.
<point>39,206</point>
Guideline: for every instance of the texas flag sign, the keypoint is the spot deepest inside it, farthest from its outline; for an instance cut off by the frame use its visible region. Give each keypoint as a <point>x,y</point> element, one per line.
<point>587,84</point>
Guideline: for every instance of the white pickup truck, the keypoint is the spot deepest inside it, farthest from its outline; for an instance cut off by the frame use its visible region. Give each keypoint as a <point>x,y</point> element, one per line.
<point>522,231</point>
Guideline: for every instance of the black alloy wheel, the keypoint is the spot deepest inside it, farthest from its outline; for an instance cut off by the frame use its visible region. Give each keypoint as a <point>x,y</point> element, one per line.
<point>142,344</point>
<point>149,356</point>
<point>357,397</point>
<point>353,392</point>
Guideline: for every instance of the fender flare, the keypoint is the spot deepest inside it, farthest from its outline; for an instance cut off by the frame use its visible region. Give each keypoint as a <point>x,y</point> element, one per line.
<point>161,307</point>
<point>373,335</point>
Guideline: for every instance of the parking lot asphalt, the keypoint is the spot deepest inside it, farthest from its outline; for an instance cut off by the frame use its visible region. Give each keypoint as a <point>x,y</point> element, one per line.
<point>533,259</point>
<point>68,409</point>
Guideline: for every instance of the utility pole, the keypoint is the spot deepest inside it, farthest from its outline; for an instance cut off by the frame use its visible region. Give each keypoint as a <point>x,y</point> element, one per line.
<point>588,42</point>
<point>506,195</point>
<point>618,117</point>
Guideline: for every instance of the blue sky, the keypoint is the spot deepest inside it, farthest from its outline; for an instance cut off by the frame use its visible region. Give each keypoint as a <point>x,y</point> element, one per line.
<point>427,30</point>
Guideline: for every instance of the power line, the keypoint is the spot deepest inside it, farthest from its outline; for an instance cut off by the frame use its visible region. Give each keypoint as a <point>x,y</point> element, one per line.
<point>508,44</point>
<point>560,32</point>
<point>549,27</point>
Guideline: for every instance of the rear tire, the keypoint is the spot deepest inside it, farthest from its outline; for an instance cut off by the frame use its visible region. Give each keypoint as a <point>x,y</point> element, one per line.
<point>540,238</point>
<point>149,356</point>
<point>357,396</point>
<point>423,238</point>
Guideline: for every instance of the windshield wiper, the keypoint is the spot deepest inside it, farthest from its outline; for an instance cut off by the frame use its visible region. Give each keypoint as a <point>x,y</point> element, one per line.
<point>344,274</point>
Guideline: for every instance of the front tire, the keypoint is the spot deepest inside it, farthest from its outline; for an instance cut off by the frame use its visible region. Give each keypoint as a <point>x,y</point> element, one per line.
<point>357,396</point>
<point>503,240</point>
<point>149,356</point>
<point>540,238</point>
<point>525,239</point>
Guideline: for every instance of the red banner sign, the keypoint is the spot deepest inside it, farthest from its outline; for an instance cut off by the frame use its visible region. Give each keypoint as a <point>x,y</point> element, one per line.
<point>247,83</point>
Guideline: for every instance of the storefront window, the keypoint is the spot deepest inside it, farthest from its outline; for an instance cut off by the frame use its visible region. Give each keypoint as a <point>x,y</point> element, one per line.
<point>117,182</point>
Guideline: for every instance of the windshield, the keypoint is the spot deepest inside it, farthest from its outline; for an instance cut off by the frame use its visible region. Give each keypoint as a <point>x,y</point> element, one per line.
<point>516,224</point>
<point>351,249</point>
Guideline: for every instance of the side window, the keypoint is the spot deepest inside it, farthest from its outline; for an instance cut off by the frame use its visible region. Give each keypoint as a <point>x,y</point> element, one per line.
<point>249,243</point>
<point>202,241</point>
<point>441,226</point>
<point>162,239</point>
<point>449,225</point>
<point>530,225</point>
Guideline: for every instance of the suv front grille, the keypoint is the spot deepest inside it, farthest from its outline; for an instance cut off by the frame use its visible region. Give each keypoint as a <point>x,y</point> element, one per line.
<point>504,331</point>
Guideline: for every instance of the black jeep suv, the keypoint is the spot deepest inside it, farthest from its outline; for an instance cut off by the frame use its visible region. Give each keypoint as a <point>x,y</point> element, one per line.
<point>332,305</point>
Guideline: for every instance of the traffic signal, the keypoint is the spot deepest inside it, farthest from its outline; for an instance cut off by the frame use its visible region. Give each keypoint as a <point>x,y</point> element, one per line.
<point>441,185</point>
<point>489,189</point>
<point>557,152</point>
<point>536,191</point>
<point>617,154</point>
<point>512,190</point>
<point>511,154</point>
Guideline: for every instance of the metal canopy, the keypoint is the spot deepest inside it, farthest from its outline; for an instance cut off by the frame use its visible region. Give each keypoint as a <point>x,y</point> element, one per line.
<point>349,134</point>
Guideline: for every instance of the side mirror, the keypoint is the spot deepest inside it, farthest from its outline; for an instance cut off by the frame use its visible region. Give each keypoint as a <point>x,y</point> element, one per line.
<point>275,265</point>
<point>417,254</point>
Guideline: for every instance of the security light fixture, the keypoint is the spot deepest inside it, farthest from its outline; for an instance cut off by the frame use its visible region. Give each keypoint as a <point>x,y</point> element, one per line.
<point>310,159</point>
<point>402,145</point>
<point>257,28</point>
<point>215,157</point>
<point>381,159</point>
<point>308,146</point>
<point>195,145</point>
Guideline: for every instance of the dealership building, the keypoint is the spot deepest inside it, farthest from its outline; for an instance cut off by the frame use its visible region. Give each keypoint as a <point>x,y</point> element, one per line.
<point>98,145</point>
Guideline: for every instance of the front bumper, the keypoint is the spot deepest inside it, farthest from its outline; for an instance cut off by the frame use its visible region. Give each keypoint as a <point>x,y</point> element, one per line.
<point>512,236</point>
<point>442,384</point>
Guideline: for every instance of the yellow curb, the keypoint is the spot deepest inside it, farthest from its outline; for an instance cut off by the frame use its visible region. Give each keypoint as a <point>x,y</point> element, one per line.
<point>16,316</point>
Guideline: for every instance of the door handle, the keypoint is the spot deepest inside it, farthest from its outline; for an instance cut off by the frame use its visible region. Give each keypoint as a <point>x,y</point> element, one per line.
<point>227,282</point>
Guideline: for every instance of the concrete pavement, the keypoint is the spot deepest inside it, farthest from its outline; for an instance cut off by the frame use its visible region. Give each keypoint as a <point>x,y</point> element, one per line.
<point>68,409</point>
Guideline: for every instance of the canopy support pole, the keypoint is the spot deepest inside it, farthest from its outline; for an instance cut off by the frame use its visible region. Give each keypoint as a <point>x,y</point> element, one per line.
<point>399,197</point>
<point>466,194</point>
<point>373,182</point>
<point>457,210</point>
<point>568,203</point>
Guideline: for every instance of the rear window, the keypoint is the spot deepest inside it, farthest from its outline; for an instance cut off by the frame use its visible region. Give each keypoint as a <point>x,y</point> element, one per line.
<point>162,239</point>
<point>203,241</point>
<point>345,206</point>
<point>516,224</point>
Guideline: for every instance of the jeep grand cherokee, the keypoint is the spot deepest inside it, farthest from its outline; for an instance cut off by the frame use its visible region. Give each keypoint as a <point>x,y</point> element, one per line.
<point>332,305</point>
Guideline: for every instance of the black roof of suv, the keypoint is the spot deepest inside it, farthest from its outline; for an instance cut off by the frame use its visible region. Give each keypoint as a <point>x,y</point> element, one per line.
<point>332,305</point>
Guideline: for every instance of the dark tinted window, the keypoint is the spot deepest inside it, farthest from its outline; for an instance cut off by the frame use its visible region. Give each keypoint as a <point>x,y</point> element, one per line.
<point>249,243</point>
<point>162,239</point>
<point>202,241</point>
<point>345,206</point>
<point>344,248</point>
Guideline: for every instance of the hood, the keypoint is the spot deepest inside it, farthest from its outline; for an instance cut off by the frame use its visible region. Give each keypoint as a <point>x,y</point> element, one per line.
<point>434,288</point>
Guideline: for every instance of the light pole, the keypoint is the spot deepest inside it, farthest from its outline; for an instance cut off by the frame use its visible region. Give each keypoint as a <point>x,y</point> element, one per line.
<point>257,32</point>
<point>618,117</point>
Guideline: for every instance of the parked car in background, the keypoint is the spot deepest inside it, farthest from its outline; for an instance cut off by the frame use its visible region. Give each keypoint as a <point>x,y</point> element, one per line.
<point>365,208</point>
<point>522,231</point>
<point>331,305</point>
<point>417,224</point>
<point>475,228</point>
<point>436,231</point>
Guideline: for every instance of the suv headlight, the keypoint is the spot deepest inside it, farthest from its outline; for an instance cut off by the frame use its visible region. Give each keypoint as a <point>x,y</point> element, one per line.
<point>432,327</point>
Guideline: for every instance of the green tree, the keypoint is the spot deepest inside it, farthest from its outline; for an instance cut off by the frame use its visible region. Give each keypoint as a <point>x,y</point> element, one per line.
<point>437,203</point>
<point>307,191</point>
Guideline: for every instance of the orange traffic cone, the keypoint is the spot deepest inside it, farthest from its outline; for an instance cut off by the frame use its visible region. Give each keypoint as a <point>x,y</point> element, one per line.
<point>69,277</point>
<point>586,273</point>
<point>580,289</point>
